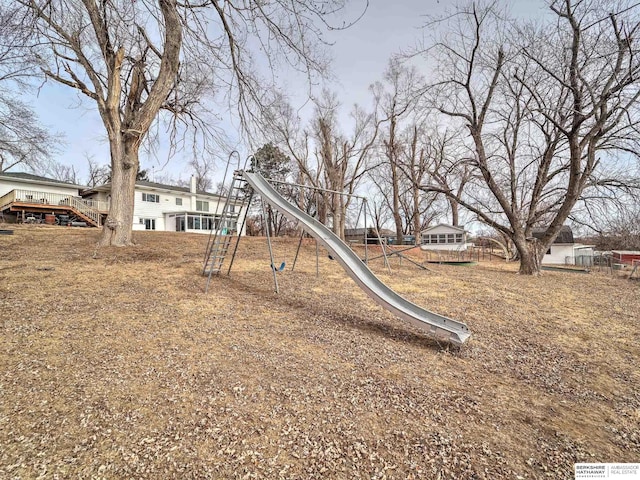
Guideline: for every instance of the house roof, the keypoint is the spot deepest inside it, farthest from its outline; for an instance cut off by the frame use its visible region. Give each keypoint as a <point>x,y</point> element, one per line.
<point>564,236</point>
<point>153,186</point>
<point>29,177</point>
<point>460,229</point>
<point>175,188</point>
<point>349,232</point>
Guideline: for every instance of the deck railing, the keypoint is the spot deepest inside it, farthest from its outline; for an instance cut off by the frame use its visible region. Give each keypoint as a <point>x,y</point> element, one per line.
<point>7,198</point>
<point>97,204</point>
<point>86,210</point>
<point>90,208</point>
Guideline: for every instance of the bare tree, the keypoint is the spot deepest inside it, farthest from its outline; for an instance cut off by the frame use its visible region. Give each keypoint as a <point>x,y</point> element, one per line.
<point>400,196</point>
<point>135,59</point>
<point>23,142</point>
<point>325,156</point>
<point>449,167</point>
<point>417,162</point>
<point>396,98</point>
<point>63,172</point>
<point>273,164</point>
<point>342,159</point>
<point>379,209</point>
<point>622,231</point>
<point>98,174</point>
<point>546,109</point>
<point>203,166</point>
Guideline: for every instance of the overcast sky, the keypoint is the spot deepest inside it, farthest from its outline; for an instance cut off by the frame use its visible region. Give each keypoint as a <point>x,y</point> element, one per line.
<point>360,55</point>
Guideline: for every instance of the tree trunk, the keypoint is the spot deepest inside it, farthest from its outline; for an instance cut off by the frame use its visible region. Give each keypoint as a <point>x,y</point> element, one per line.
<point>397,217</point>
<point>531,253</point>
<point>416,216</point>
<point>343,216</point>
<point>455,215</point>
<point>117,230</point>
<point>335,210</point>
<point>322,208</point>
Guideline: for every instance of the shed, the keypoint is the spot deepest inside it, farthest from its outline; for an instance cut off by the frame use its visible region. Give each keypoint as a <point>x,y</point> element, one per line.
<point>564,250</point>
<point>625,256</point>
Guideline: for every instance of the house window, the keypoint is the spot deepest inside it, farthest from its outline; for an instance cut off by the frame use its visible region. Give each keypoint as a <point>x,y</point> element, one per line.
<point>151,197</point>
<point>149,223</point>
<point>178,201</point>
<point>443,238</point>
<point>194,222</point>
<point>202,206</point>
<point>207,223</point>
<point>549,251</point>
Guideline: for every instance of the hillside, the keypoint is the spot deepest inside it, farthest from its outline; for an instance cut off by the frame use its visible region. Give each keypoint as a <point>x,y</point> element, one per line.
<point>114,363</point>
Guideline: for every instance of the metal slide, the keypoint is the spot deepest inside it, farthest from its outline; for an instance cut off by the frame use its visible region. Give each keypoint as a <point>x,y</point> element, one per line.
<point>440,327</point>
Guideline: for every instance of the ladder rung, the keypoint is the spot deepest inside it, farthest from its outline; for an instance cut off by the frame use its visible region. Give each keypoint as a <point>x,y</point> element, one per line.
<point>219,247</point>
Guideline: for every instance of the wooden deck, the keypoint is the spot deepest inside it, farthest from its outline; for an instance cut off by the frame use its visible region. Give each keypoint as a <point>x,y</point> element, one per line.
<point>34,202</point>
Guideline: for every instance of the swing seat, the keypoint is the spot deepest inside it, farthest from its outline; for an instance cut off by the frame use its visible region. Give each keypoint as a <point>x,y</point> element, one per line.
<point>278,269</point>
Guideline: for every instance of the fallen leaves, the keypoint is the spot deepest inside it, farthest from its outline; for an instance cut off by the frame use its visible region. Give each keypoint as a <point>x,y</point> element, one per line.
<point>116,364</point>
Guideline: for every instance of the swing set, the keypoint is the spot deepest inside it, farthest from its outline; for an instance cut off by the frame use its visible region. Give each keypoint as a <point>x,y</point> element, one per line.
<point>356,267</point>
<point>362,212</point>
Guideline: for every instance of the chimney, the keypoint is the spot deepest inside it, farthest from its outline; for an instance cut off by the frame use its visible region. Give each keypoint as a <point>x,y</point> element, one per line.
<point>192,185</point>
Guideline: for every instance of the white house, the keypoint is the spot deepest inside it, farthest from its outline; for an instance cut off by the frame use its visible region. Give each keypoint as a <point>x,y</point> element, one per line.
<point>24,196</point>
<point>26,181</point>
<point>444,237</point>
<point>156,207</point>
<point>171,208</point>
<point>564,250</point>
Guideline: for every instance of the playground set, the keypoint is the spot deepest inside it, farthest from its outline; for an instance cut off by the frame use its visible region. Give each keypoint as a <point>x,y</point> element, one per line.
<point>248,183</point>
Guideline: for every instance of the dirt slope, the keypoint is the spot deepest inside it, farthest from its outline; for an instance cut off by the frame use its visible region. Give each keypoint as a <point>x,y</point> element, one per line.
<point>115,364</point>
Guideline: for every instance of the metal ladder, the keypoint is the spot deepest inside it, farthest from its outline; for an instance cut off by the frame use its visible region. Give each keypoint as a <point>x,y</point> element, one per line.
<point>221,234</point>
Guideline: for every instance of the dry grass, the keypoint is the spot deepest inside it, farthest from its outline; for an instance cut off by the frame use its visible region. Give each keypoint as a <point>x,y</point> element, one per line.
<point>114,364</point>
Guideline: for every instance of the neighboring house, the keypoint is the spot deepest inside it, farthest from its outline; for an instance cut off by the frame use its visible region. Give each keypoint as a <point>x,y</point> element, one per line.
<point>406,239</point>
<point>356,235</point>
<point>564,250</point>
<point>174,209</point>
<point>444,237</point>
<point>24,196</point>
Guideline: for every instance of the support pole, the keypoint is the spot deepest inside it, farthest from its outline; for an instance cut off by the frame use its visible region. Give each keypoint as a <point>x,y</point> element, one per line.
<point>384,253</point>
<point>244,219</point>
<point>358,221</point>
<point>366,232</point>
<point>266,230</point>
<point>317,260</point>
<point>295,259</point>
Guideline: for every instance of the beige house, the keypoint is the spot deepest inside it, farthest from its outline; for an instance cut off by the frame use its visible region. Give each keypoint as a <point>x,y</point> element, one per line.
<point>444,237</point>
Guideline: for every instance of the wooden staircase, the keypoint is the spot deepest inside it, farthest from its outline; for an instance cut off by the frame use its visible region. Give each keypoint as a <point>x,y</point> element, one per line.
<point>84,211</point>
<point>33,201</point>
